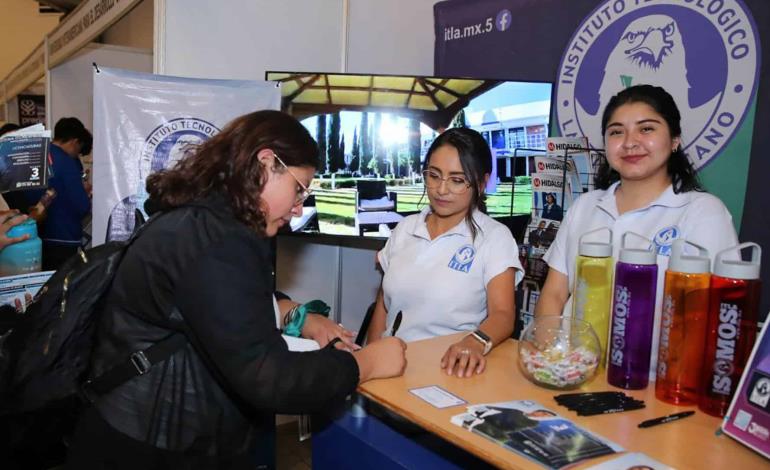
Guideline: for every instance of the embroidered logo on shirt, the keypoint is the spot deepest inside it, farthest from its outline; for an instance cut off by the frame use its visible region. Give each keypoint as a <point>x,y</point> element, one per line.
<point>664,238</point>
<point>463,259</point>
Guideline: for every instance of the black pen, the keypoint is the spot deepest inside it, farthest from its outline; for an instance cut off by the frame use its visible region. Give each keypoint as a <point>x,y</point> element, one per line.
<point>603,411</point>
<point>396,323</point>
<point>665,419</point>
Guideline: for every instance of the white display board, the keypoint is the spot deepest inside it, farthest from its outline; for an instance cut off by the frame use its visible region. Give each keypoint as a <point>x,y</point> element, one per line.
<point>72,85</point>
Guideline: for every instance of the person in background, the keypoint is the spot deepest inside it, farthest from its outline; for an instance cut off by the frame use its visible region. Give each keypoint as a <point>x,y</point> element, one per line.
<point>451,268</point>
<point>647,185</point>
<point>62,227</point>
<point>203,264</point>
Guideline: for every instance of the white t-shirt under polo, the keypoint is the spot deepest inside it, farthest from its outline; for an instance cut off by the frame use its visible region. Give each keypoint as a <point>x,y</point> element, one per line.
<point>440,285</point>
<point>697,217</point>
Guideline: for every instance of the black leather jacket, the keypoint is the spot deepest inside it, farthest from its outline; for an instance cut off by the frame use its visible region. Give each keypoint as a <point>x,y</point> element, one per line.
<point>199,269</point>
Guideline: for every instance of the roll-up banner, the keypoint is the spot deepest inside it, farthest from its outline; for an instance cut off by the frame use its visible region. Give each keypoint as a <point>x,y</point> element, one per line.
<point>144,123</point>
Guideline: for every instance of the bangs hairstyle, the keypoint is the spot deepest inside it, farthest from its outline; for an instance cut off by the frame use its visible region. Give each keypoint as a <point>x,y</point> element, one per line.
<point>476,161</point>
<point>679,168</point>
<point>228,164</point>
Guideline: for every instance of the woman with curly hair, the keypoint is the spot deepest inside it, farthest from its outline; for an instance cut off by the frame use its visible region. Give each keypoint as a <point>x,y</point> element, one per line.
<point>204,268</point>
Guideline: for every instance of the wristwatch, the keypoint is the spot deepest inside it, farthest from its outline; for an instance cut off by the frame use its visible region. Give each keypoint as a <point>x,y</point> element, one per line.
<point>482,338</point>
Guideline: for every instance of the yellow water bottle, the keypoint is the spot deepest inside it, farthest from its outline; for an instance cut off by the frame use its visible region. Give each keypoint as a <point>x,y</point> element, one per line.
<point>593,284</point>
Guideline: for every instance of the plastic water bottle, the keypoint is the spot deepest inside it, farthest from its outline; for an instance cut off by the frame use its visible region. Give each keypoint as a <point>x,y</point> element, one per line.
<point>683,325</point>
<point>593,286</point>
<point>633,315</point>
<point>23,257</point>
<point>732,327</point>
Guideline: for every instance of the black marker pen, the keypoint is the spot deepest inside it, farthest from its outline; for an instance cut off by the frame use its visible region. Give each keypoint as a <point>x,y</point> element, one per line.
<point>665,419</point>
<point>396,323</point>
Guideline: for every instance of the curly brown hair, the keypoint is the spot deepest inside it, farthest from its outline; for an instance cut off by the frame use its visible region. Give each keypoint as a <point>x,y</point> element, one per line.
<point>227,163</point>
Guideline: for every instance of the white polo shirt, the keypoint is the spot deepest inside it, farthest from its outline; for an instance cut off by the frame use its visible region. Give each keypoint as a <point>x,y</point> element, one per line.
<point>440,285</point>
<point>697,217</point>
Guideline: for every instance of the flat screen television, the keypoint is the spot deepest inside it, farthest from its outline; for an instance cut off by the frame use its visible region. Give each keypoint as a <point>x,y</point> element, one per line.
<point>373,132</point>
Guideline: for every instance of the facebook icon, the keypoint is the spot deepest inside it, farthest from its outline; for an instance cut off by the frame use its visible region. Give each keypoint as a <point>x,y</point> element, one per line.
<point>503,20</point>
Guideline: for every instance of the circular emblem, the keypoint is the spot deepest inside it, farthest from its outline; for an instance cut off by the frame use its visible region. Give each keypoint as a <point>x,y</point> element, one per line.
<point>551,146</point>
<point>540,166</point>
<point>624,43</point>
<point>171,141</point>
<point>666,236</point>
<point>166,145</point>
<point>536,182</point>
<point>503,20</point>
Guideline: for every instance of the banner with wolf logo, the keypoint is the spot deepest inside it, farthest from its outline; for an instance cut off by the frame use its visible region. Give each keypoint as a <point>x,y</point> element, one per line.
<point>144,123</point>
<point>707,53</point>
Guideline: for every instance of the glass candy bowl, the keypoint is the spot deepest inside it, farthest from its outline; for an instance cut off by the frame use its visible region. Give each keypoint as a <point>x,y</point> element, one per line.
<point>559,352</point>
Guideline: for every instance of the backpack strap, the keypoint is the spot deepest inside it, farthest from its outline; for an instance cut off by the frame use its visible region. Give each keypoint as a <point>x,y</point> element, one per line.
<point>138,363</point>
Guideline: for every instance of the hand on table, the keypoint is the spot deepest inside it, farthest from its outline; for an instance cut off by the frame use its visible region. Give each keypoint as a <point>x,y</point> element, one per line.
<point>381,359</point>
<point>464,358</point>
<point>322,330</point>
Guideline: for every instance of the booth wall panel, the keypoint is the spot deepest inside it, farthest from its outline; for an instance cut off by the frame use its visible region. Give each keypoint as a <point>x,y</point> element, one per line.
<point>249,37</point>
<point>133,30</point>
<point>72,86</point>
<point>393,36</point>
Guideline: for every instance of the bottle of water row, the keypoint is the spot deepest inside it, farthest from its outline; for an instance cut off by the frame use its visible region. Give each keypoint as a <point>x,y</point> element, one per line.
<point>633,315</point>
<point>593,285</point>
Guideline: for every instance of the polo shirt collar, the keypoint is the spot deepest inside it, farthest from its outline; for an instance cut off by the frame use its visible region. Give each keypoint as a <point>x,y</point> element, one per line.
<point>667,198</point>
<point>421,227</point>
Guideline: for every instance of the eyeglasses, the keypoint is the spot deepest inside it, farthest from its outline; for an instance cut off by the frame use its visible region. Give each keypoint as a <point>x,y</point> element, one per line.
<point>303,192</point>
<point>455,184</point>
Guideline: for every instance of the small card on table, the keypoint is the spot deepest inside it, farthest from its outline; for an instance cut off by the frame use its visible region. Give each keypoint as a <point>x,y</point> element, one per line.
<point>437,396</point>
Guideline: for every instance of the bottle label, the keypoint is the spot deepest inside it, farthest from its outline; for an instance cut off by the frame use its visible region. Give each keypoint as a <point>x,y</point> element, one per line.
<point>727,337</point>
<point>619,315</point>
<point>581,295</point>
<point>666,319</point>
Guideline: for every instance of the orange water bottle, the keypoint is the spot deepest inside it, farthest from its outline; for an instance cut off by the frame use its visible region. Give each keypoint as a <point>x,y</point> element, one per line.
<point>732,328</point>
<point>684,316</point>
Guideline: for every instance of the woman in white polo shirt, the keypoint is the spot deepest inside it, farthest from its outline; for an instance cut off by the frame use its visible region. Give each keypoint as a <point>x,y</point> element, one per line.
<point>646,185</point>
<point>451,268</point>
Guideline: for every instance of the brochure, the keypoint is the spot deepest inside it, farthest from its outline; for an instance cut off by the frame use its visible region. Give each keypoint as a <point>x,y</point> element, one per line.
<point>575,148</point>
<point>748,418</point>
<point>535,432</point>
<point>19,290</point>
<point>24,158</point>
<point>549,200</point>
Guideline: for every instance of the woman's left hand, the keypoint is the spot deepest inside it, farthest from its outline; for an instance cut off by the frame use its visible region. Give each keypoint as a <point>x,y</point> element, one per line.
<point>322,330</point>
<point>464,358</point>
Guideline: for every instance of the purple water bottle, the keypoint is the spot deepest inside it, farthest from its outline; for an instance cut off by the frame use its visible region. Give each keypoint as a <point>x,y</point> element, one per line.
<point>633,316</point>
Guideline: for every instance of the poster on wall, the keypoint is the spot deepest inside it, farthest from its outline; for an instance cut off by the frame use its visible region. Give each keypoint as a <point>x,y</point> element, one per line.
<point>144,123</point>
<point>31,110</point>
<point>707,54</point>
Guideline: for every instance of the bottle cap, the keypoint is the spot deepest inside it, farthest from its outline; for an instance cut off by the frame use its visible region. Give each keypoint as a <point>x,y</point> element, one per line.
<point>637,255</point>
<point>737,269</point>
<point>595,249</point>
<point>681,263</point>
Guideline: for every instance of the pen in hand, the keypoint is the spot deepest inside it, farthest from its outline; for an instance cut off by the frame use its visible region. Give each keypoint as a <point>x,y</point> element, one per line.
<point>396,323</point>
<point>665,419</point>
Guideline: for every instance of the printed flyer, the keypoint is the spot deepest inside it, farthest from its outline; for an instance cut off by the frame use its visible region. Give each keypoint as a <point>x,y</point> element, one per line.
<point>533,431</point>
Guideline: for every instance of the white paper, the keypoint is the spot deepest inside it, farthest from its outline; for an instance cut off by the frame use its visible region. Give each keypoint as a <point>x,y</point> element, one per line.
<point>437,396</point>
<point>633,460</point>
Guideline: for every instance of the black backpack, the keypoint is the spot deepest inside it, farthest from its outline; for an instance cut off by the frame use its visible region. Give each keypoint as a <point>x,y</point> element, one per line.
<point>45,357</point>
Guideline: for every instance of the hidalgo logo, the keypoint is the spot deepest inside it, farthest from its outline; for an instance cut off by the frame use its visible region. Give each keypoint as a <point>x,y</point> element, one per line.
<point>536,182</point>
<point>628,42</point>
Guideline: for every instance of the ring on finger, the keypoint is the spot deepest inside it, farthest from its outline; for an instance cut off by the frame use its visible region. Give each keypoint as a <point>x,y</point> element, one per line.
<point>465,351</point>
